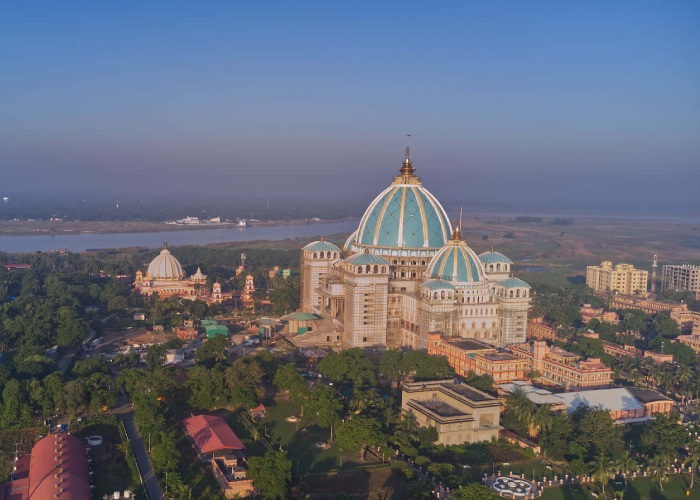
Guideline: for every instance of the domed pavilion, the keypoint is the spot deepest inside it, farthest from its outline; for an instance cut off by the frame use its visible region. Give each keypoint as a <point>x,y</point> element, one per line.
<point>166,278</point>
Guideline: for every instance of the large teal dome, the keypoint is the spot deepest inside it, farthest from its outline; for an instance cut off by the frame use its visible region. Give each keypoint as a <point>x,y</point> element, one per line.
<point>456,262</point>
<point>405,215</point>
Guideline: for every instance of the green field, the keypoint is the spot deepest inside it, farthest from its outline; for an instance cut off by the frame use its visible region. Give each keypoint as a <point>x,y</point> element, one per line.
<point>640,489</point>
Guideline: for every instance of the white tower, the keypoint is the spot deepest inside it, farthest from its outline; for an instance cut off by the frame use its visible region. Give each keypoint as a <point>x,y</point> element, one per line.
<point>653,273</point>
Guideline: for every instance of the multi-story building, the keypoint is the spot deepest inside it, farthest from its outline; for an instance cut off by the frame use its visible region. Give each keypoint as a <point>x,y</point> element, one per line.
<point>692,341</point>
<point>538,329</point>
<point>561,367</point>
<point>480,358</point>
<point>623,278</point>
<point>620,351</point>
<point>588,313</point>
<point>680,277</point>
<point>459,412</point>
<point>405,273</point>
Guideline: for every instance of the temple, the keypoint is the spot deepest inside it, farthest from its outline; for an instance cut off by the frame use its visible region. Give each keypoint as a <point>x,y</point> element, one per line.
<point>405,273</point>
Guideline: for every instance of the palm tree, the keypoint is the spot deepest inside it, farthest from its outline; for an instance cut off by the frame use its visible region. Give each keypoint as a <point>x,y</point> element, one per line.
<point>683,376</point>
<point>692,459</point>
<point>407,430</point>
<point>626,464</point>
<point>658,467</point>
<point>541,420</point>
<point>602,470</point>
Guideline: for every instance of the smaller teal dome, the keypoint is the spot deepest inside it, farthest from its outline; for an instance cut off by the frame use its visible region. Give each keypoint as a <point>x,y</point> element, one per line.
<point>513,283</point>
<point>456,262</point>
<point>493,257</point>
<point>437,284</point>
<point>363,259</point>
<point>321,246</point>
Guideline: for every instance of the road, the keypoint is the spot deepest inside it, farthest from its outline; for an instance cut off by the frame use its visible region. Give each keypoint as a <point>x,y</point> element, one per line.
<point>150,481</point>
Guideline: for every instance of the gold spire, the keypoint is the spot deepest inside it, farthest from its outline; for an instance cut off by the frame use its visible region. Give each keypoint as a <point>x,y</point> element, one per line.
<point>457,233</point>
<point>407,167</point>
<point>492,248</point>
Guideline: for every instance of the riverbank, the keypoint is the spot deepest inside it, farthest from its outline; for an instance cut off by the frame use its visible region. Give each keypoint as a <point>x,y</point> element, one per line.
<point>63,227</point>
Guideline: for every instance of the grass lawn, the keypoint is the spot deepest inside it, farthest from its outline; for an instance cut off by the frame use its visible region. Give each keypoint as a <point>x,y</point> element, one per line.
<point>111,470</point>
<point>639,489</point>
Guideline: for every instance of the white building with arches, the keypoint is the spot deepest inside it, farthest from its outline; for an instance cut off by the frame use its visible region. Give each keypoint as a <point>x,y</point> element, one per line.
<point>405,273</point>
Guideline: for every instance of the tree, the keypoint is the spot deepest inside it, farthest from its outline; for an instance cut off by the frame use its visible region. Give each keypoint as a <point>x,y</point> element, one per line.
<point>213,351</point>
<point>597,432</point>
<point>658,467</point>
<point>327,407</point>
<point>358,433</point>
<point>206,387</point>
<point>164,452</point>
<point>626,464</point>
<point>406,431</point>
<point>349,366</point>
<point>541,420</point>
<point>287,377</point>
<point>602,470</point>
<point>244,383</point>
<point>692,459</point>
<point>390,365</point>
<point>474,491</point>
<point>663,435</point>
<point>271,473</point>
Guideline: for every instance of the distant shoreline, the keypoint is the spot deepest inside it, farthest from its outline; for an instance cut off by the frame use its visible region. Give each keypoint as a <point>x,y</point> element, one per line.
<point>61,227</point>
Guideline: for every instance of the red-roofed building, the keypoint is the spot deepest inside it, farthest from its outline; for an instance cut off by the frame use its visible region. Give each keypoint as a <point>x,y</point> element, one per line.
<point>56,468</point>
<point>212,434</point>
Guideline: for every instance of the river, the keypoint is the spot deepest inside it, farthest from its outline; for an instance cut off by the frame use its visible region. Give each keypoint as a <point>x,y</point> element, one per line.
<point>83,241</point>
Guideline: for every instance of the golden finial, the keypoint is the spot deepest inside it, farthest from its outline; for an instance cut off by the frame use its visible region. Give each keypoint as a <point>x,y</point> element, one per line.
<point>407,167</point>
<point>457,233</point>
<point>492,248</point>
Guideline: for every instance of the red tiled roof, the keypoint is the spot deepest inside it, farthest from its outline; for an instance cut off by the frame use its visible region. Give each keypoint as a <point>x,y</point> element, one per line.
<point>260,407</point>
<point>212,434</point>
<point>58,468</point>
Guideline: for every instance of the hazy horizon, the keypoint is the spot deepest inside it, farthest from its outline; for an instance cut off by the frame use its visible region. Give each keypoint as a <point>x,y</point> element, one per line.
<point>534,104</point>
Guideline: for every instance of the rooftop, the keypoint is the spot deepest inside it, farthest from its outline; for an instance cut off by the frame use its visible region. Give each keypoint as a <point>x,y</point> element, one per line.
<point>470,345</point>
<point>440,408</point>
<point>468,392</point>
<point>211,434</point>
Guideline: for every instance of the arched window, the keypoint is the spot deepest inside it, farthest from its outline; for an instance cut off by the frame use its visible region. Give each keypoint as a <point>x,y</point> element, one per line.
<point>490,267</point>
<point>498,267</point>
<point>517,293</point>
<point>403,262</point>
<point>359,269</point>
<point>394,261</point>
<point>511,293</point>
<point>383,269</point>
<point>315,255</point>
<point>367,268</point>
<point>442,295</point>
<point>422,262</point>
<point>413,262</point>
<point>376,269</point>
<point>435,295</point>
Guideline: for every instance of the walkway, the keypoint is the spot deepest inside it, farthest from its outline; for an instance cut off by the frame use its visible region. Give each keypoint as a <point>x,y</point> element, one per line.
<point>148,476</point>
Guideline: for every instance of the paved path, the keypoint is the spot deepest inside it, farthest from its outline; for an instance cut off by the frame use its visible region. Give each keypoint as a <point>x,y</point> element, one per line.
<point>150,481</point>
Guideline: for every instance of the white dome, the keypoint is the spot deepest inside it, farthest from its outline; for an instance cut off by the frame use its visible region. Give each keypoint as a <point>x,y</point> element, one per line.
<point>165,266</point>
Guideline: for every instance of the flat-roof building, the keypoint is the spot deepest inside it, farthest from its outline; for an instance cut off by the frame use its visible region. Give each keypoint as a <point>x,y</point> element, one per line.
<point>623,278</point>
<point>480,358</point>
<point>680,277</point>
<point>459,412</point>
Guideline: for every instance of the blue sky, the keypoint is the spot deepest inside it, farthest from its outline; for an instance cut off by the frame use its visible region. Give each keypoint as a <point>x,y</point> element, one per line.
<point>524,101</point>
